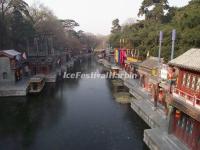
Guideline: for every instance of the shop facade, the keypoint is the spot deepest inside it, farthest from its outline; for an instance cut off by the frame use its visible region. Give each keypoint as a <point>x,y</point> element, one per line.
<point>185,103</point>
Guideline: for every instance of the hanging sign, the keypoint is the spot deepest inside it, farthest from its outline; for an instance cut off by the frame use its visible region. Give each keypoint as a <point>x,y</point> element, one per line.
<point>164,72</point>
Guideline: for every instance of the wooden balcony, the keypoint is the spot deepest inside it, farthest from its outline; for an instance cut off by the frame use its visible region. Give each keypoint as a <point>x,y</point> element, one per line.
<point>189,104</point>
<point>191,100</point>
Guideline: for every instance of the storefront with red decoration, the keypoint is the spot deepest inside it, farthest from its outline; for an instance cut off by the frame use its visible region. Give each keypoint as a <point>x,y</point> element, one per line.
<point>185,117</point>
<point>185,128</point>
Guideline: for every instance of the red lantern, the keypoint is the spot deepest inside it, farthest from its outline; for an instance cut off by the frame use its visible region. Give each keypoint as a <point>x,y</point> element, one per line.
<point>178,114</point>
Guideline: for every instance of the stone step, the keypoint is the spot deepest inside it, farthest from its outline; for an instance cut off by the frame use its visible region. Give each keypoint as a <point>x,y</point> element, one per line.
<point>158,139</point>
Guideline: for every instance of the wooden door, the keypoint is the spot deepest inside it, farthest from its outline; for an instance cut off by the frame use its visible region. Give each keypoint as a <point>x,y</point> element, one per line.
<point>182,127</point>
<point>177,123</point>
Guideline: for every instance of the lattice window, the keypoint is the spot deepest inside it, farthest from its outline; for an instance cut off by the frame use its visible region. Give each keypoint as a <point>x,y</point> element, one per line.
<point>183,122</point>
<point>198,84</point>
<point>191,128</point>
<point>188,126</point>
<point>193,82</point>
<point>184,79</point>
<point>188,80</point>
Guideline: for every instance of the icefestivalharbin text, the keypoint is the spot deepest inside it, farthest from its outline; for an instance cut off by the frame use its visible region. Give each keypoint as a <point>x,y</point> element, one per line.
<point>95,75</point>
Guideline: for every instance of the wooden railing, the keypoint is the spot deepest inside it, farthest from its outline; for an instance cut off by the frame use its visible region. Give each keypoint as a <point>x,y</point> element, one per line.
<point>188,98</point>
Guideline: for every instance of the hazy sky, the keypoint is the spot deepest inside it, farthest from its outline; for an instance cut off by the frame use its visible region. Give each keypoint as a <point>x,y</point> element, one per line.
<point>96,16</point>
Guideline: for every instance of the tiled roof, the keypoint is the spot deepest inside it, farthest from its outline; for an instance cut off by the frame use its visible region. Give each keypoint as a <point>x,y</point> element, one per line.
<point>150,63</point>
<point>10,53</point>
<point>189,60</point>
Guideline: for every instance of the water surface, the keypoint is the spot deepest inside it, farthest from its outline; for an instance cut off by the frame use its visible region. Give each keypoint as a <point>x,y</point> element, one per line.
<point>78,114</point>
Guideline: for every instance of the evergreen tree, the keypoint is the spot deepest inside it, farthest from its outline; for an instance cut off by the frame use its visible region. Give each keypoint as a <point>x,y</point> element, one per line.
<point>115,26</point>
<point>157,12</point>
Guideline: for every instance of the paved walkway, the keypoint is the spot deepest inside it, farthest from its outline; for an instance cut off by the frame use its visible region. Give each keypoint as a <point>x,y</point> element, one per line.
<point>158,139</point>
<point>154,118</point>
<point>17,89</point>
<point>135,88</point>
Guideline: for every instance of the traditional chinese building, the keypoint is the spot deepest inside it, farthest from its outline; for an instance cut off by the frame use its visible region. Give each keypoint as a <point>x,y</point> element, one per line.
<point>101,53</point>
<point>132,61</point>
<point>185,114</point>
<point>11,66</point>
<point>42,57</point>
<point>148,70</point>
<point>166,77</point>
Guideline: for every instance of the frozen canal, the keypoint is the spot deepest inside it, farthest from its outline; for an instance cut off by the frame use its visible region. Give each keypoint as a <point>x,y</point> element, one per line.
<point>78,114</point>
